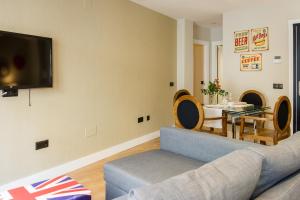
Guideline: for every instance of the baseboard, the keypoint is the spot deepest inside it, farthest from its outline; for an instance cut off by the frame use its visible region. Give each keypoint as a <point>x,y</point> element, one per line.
<point>81,162</point>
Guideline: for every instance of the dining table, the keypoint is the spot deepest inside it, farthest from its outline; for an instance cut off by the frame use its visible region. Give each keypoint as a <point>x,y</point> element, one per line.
<point>235,111</point>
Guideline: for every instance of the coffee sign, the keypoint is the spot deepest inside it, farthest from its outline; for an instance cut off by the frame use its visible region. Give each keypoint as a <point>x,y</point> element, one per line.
<point>260,39</point>
<point>251,62</point>
<point>241,41</point>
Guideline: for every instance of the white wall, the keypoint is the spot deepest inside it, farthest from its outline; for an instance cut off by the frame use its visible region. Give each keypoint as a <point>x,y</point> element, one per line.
<point>216,33</point>
<point>275,16</point>
<point>208,33</point>
<point>185,55</point>
<point>202,33</point>
<point>214,36</point>
<point>181,55</point>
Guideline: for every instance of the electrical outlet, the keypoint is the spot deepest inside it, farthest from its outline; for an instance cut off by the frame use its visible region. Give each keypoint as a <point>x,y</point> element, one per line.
<point>41,144</point>
<point>140,119</point>
<point>171,84</point>
<point>148,117</point>
<point>89,132</point>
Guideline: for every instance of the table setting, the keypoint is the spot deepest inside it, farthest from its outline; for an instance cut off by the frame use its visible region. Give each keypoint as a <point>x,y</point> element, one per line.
<point>231,109</point>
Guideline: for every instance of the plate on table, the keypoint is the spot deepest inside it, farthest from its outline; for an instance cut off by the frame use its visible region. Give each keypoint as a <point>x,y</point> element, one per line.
<point>238,104</point>
<point>215,106</point>
<point>242,105</point>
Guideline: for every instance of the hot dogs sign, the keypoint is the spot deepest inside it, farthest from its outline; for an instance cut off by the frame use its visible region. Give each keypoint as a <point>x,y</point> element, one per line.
<point>259,40</point>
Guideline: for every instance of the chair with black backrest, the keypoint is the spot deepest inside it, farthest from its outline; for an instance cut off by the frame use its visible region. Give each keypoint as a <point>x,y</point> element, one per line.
<point>253,97</point>
<point>189,114</point>
<point>179,94</point>
<point>281,118</point>
<point>257,99</point>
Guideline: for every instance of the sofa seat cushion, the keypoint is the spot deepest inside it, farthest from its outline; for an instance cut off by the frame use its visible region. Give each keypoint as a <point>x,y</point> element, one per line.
<point>279,162</point>
<point>125,197</point>
<point>288,189</point>
<point>232,177</point>
<point>147,168</point>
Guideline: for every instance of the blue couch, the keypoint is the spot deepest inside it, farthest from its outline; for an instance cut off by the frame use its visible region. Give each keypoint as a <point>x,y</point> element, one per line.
<point>184,150</point>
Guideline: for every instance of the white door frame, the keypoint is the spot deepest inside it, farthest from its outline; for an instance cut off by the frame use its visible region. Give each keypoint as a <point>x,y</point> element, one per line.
<point>206,70</point>
<point>291,61</point>
<point>214,58</point>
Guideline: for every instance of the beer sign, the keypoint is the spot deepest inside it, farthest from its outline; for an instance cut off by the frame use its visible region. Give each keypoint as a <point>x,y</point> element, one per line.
<point>260,39</point>
<point>241,41</point>
<point>251,62</point>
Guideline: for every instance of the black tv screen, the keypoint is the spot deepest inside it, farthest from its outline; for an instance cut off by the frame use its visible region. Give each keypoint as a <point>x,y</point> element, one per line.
<point>25,61</point>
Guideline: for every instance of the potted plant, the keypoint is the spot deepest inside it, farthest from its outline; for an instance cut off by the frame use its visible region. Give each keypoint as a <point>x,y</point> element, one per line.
<point>214,90</point>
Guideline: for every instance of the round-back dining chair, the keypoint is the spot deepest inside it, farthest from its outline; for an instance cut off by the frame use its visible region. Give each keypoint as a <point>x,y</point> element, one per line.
<point>282,117</point>
<point>179,94</point>
<point>188,113</point>
<point>253,97</point>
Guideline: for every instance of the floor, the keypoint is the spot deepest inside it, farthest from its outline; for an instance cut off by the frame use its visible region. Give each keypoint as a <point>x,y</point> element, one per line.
<point>91,176</point>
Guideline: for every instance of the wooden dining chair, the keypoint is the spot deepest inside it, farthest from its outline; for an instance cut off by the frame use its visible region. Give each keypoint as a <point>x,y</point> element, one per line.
<point>180,93</point>
<point>281,118</point>
<point>253,97</point>
<point>257,99</point>
<point>189,114</point>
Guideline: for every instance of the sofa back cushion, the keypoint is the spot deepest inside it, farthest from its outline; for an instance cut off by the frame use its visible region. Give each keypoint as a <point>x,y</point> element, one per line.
<point>197,145</point>
<point>232,177</point>
<point>279,162</point>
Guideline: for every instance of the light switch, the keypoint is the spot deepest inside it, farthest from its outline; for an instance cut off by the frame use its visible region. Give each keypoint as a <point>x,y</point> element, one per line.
<point>277,59</point>
<point>278,86</point>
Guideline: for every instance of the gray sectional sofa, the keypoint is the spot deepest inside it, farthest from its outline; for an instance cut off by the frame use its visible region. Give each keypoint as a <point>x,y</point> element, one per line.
<point>193,165</point>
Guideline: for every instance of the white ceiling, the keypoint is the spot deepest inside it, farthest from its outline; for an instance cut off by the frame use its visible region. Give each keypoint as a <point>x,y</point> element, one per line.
<point>203,12</point>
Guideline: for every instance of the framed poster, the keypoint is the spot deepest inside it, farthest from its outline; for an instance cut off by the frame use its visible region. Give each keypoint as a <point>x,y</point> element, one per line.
<point>241,41</point>
<point>260,39</point>
<point>251,62</point>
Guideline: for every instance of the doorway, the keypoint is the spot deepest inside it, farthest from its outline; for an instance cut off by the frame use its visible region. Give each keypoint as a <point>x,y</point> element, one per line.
<point>198,71</point>
<point>216,61</point>
<point>220,63</point>
<point>296,77</point>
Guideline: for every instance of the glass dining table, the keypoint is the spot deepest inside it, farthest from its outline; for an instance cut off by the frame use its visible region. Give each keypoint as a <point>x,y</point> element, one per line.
<point>236,111</point>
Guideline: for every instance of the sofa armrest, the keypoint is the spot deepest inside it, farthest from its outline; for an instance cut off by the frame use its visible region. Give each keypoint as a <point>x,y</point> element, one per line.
<point>198,145</point>
<point>286,189</point>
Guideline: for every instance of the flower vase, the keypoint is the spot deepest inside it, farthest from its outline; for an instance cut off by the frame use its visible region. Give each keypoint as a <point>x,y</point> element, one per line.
<point>213,99</point>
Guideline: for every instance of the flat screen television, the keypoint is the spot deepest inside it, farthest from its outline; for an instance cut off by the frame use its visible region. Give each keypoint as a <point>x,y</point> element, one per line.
<point>25,61</point>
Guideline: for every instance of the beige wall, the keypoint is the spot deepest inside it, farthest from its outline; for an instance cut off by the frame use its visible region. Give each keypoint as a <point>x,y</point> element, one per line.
<point>275,16</point>
<point>113,61</point>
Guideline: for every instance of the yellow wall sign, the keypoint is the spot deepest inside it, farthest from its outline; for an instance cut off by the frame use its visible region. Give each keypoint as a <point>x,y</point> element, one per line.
<point>251,62</point>
<point>260,39</point>
<point>241,41</point>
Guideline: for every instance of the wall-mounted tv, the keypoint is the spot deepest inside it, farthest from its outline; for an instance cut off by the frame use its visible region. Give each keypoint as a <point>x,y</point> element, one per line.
<point>25,61</point>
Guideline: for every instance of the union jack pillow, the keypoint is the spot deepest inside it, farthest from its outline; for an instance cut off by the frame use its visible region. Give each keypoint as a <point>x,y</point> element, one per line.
<point>60,188</point>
